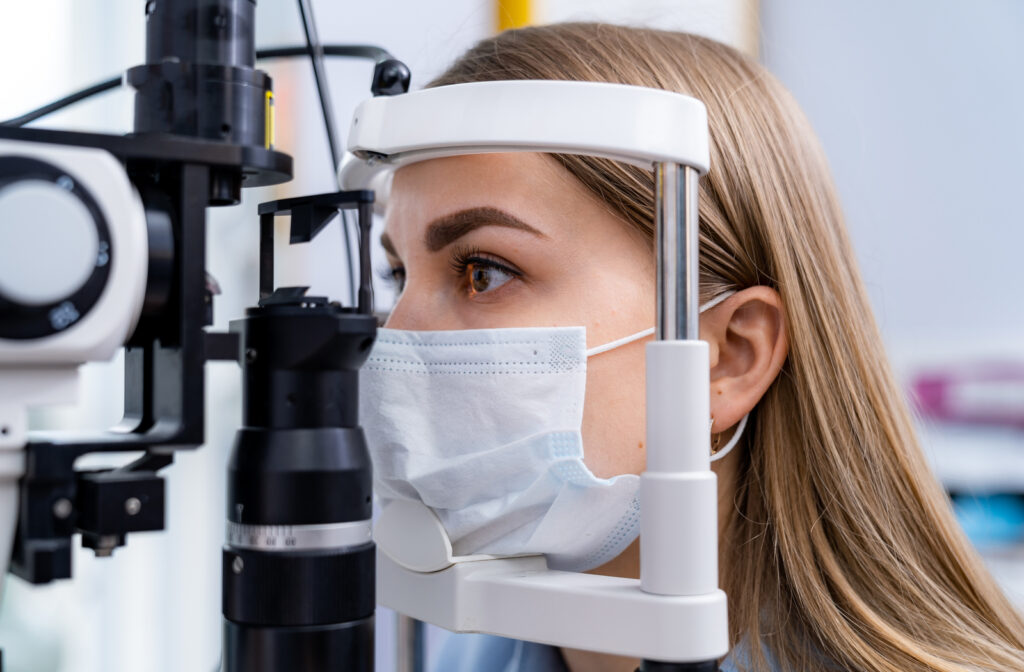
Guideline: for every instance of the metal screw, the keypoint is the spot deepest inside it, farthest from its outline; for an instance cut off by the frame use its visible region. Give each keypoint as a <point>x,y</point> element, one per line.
<point>62,508</point>
<point>4,430</point>
<point>237,565</point>
<point>132,506</point>
<point>65,182</point>
<point>250,355</point>
<point>105,545</point>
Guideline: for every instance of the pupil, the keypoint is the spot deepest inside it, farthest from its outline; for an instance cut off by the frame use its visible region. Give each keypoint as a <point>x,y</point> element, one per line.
<point>479,278</point>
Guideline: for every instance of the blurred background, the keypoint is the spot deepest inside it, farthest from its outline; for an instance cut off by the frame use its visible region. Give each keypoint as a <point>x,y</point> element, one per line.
<point>918,105</point>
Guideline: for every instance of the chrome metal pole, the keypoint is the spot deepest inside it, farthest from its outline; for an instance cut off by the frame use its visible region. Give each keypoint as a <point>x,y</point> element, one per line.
<point>677,230</point>
<point>678,478</point>
<point>410,644</point>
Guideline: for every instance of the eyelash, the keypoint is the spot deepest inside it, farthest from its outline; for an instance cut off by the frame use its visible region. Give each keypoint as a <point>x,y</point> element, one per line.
<point>460,261</point>
<point>463,257</point>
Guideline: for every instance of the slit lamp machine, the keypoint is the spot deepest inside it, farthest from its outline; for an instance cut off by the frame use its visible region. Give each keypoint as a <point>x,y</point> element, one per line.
<point>102,247</point>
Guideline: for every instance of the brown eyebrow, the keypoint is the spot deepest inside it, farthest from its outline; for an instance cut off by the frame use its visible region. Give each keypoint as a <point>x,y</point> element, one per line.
<point>445,230</point>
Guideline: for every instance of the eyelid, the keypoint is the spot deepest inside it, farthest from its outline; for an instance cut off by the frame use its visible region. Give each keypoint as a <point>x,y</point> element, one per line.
<point>462,256</point>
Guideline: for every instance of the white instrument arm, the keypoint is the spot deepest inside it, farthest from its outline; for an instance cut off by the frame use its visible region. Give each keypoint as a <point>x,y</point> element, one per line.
<point>675,612</point>
<point>73,266</point>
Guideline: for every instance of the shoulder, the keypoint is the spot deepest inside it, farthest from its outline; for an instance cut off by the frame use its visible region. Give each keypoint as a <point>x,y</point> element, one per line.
<point>477,653</point>
<point>739,660</point>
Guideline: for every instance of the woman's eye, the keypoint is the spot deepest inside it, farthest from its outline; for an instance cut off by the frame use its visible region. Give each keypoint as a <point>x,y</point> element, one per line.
<point>477,273</point>
<point>394,276</point>
<point>485,277</point>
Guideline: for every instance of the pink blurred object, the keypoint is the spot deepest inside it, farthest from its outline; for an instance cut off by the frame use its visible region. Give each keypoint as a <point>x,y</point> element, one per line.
<point>986,393</point>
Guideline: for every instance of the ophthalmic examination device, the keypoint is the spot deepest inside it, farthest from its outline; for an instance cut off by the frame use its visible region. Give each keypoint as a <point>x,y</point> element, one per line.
<point>102,247</point>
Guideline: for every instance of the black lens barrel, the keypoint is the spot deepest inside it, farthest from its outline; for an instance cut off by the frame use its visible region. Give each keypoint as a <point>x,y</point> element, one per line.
<point>300,472</point>
<point>200,81</point>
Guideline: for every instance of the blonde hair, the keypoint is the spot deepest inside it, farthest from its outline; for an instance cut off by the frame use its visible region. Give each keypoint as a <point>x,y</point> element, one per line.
<point>842,548</point>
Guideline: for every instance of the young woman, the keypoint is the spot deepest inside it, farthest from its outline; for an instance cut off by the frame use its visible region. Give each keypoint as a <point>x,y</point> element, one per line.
<point>838,548</point>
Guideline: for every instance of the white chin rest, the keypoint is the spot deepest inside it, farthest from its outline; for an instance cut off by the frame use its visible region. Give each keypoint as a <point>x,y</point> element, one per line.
<point>637,125</point>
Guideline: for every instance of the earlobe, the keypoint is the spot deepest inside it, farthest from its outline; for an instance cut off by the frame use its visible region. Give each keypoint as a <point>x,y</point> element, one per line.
<point>747,346</point>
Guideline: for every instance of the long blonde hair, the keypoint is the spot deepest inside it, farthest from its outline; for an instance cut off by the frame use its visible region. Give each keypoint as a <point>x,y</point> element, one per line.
<point>842,547</point>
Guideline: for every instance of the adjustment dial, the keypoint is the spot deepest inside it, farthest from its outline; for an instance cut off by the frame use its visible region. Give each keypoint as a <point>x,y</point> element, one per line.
<point>49,242</point>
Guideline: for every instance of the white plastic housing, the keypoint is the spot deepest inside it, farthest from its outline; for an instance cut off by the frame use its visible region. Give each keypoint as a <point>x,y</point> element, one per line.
<point>411,535</point>
<point>678,491</point>
<point>678,407</point>
<point>103,330</point>
<point>521,598</point>
<point>55,215</point>
<point>12,467</point>
<point>634,124</point>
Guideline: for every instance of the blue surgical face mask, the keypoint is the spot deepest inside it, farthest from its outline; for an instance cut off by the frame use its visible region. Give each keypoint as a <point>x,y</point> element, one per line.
<point>484,427</point>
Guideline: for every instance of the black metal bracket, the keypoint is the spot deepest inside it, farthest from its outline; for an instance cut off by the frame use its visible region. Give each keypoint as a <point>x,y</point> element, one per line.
<point>310,214</point>
<point>164,359</point>
<point>391,77</point>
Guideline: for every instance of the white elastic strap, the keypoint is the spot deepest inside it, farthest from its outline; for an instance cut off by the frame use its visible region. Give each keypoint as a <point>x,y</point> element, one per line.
<point>733,441</point>
<point>649,332</point>
<point>622,341</point>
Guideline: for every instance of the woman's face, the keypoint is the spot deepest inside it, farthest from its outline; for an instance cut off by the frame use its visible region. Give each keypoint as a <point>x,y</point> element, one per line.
<point>513,240</point>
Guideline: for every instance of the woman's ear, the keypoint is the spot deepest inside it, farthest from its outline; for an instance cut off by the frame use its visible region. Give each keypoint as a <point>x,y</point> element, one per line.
<point>748,343</point>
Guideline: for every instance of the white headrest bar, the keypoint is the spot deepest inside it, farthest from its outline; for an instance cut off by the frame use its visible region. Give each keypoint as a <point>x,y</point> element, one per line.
<point>634,124</point>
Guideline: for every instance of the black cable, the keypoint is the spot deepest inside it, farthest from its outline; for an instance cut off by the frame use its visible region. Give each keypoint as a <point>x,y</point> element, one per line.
<point>316,59</point>
<point>105,85</point>
<point>366,51</point>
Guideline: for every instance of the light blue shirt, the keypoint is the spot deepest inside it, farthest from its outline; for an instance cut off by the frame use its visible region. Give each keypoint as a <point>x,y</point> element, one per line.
<point>488,653</point>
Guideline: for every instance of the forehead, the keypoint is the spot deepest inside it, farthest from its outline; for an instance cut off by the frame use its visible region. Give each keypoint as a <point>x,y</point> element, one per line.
<point>529,184</point>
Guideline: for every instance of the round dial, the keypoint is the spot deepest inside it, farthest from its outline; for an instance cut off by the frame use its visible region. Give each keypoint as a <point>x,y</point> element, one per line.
<point>49,242</point>
<point>56,252</point>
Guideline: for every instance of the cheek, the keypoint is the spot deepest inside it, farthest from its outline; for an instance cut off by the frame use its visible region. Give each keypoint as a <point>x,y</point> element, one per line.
<point>613,413</point>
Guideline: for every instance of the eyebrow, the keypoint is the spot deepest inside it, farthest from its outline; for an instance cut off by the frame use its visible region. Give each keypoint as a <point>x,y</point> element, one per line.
<point>445,230</point>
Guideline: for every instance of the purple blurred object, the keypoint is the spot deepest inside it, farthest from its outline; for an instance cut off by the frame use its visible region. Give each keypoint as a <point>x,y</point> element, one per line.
<point>988,393</point>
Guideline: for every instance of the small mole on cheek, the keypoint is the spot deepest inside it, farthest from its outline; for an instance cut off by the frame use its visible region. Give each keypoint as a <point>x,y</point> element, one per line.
<point>719,392</point>
<point>640,445</point>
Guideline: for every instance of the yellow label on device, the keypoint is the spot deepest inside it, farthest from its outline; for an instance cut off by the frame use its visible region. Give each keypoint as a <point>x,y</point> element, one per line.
<point>268,135</point>
<point>513,13</point>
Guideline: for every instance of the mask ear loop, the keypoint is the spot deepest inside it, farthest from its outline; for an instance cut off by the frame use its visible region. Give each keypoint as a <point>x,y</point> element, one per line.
<point>650,332</point>
<point>724,450</point>
<point>621,341</point>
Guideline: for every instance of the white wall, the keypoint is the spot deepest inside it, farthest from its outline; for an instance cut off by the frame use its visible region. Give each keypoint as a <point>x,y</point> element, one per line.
<point>919,107</point>
<point>731,21</point>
